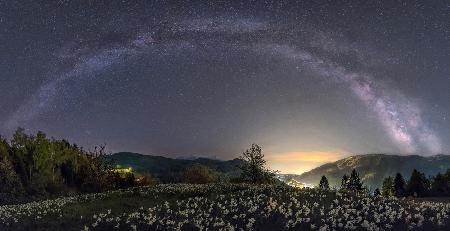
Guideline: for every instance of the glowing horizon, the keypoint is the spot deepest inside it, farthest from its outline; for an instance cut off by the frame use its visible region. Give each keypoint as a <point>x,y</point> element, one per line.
<point>298,162</point>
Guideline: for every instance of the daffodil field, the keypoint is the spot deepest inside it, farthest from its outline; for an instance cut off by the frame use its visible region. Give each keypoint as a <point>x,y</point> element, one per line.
<point>225,207</point>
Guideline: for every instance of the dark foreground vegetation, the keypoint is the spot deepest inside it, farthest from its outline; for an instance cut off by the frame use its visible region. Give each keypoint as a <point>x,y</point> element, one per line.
<point>226,207</point>
<point>37,167</point>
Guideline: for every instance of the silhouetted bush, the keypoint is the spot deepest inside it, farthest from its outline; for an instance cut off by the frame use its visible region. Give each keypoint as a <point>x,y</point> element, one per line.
<point>199,174</point>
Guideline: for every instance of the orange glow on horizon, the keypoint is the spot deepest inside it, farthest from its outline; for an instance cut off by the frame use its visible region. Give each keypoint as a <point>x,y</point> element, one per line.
<point>302,161</point>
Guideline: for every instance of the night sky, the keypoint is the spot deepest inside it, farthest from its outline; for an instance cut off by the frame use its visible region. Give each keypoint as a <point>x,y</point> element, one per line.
<point>310,81</point>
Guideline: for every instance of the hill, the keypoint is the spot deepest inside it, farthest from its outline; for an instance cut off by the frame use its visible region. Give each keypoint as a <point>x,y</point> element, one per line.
<point>169,169</point>
<point>372,168</point>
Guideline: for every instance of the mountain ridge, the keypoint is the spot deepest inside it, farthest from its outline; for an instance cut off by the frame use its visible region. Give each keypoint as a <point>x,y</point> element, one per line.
<point>373,168</point>
<point>170,169</point>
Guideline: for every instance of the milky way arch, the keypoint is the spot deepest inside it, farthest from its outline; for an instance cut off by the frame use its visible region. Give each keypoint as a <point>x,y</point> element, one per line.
<point>401,119</point>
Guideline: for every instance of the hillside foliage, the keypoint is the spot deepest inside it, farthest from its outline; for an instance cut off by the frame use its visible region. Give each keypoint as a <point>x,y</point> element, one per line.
<point>35,166</point>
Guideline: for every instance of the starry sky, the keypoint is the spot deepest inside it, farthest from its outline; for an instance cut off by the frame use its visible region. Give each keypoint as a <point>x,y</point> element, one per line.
<point>310,81</point>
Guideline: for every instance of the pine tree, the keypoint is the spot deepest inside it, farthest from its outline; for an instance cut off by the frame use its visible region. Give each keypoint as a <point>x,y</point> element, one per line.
<point>344,182</point>
<point>440,185</point>
<point>324,183</point>
<point>354,183</point>
<point>399,185</point>
<point>418,184</point>
<point>377,192</point>
<point>388,187</point>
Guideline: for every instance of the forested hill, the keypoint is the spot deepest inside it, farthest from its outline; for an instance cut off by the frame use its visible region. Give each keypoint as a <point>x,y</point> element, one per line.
<point>169,169</point>
<point>372,168</point>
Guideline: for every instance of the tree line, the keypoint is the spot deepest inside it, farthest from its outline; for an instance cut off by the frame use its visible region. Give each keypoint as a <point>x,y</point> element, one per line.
<point>418,185</point>
<point>348,183</point>
<point>35,166</point>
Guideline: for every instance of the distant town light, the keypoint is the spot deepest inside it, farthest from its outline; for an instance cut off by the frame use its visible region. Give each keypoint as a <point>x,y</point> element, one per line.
<point>297,184</point>
<point>123,170</point>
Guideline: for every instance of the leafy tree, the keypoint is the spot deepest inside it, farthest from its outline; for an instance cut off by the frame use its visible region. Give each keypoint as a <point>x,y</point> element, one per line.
<point>324,183</point>
<point>10,182</point>
<point>418,184</point>
<point>23,155</point>
<point>99,169</point>
<point>399,185</point>
<point>354,182</point>
<point>46,163</point>
<point>199,174</point>
<point>388,187</point>
<point>254,167</point>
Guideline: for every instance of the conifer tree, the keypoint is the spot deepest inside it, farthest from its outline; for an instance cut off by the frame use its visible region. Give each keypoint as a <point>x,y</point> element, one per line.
<point>354,182</point>
<point>344,182</point>
<point>324,183</point>
<point>440,185</point>
<point>388,187</point>
<point>399,185</point>
<point>418,184</point>
<point>377,192</point>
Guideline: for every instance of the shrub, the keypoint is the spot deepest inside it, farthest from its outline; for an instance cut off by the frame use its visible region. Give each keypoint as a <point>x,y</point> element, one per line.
<point>199,174</point>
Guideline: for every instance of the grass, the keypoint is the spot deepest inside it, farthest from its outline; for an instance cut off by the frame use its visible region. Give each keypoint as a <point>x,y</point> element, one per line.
<point>75,215</point>
<point>166,207</point>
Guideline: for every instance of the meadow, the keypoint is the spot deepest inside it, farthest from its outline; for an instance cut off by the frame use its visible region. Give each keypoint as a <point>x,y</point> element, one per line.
<point>226,207</point>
